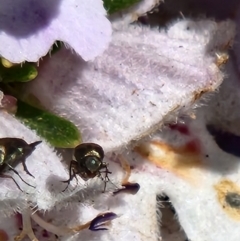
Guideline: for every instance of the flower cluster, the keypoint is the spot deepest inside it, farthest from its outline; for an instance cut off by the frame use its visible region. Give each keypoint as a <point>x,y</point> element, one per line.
<point>119,83</point>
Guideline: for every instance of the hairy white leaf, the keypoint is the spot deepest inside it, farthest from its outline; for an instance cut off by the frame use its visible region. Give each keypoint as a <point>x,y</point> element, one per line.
<point>143,78</point>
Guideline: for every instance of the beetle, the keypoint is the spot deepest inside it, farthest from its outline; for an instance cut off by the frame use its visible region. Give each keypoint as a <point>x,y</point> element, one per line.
<point>12,152</point>
<point>88,163</point>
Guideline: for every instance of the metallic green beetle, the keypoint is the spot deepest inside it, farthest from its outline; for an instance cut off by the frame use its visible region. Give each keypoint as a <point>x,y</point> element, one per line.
<point>12,152</point>
<point>88,163</point>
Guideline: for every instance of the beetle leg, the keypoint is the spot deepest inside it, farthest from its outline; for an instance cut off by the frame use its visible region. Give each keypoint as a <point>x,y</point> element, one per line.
<point>16,172</point>
<point>75,178</point>
<point>25,167</point>
<point>7,176</point>
<point>72,174</point>
<point>106,178</point>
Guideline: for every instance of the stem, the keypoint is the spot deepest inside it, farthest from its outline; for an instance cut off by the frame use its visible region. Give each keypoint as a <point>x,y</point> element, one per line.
<point>27,227</point>
<point>50,227</point>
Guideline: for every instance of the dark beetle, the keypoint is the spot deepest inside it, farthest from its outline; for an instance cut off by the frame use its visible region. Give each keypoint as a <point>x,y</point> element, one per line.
<point>88,163</point>
<point>12,152</point>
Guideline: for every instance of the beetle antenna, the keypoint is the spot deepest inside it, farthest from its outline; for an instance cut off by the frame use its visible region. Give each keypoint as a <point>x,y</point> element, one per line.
<point>7,176</point>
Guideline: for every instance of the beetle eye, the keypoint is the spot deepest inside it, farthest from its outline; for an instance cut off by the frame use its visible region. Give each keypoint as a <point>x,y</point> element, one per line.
<point>92,163</point>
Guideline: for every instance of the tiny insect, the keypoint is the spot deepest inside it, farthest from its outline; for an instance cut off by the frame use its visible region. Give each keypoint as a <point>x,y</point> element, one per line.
<point>12,152</point>
<point>88,163</point>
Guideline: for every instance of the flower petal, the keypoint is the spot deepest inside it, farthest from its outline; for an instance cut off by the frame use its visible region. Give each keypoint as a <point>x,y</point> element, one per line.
<point>48,172</point>
<point>29,28</point>
<point>131,14</point>
<point>142,78</point>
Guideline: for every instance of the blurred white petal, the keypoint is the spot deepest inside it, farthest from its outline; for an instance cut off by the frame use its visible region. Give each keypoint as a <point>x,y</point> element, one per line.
<point>196,174</point>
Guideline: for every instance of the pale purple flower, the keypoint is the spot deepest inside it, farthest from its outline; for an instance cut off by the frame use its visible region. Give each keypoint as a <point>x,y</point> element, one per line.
<point>29,28</point>
<point>145,79</point>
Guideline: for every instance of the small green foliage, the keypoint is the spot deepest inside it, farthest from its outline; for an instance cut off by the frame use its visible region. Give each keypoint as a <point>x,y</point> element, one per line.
<point>18,73</point>
<point>58,131</point>
<point>32,100</point>
<point>113,6</point>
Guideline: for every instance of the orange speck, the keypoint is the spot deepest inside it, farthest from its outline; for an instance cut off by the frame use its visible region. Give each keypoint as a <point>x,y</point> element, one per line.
<point>3,235</point>
<point>126,167</point>
<point>182,161</point>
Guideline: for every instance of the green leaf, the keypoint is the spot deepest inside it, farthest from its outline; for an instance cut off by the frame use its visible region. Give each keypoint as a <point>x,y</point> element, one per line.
<point>58,131</point>
<point>18,73</point>
<point>113,6</point>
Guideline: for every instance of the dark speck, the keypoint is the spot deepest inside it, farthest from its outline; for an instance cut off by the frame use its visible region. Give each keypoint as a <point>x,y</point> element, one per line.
<point>233,199</point>
<point>45,233</point>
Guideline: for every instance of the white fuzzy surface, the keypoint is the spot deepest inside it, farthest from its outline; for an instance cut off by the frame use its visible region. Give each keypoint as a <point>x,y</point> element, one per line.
<point>188,167</point>
<point>43,163</point>
<point>193,180</point>
<point>47,169</point>
<point>142,78</point>
<point>127,93</point>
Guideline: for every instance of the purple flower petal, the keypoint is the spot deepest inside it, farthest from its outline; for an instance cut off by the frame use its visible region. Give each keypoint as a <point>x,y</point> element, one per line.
<point>30,27</point>
<point>130,188</point>
<point>100,220</point>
